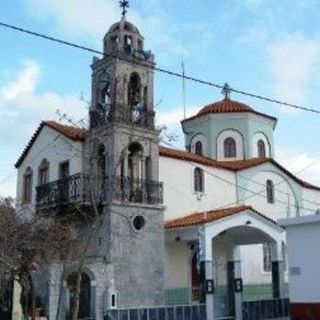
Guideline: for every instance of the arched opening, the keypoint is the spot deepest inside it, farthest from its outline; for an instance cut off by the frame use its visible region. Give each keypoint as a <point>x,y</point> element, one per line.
<point>198,180</point>
<point>136,173</point>
<point>128,44</point>
<point>198,148</point>
<point>134,90</point>
<point>134,161</point>
<point>84,296</point>
<point>229,147</point>
<point>270,191</point>
<point>114,43</point>
<point>105,94</point>
<point>261,149</point>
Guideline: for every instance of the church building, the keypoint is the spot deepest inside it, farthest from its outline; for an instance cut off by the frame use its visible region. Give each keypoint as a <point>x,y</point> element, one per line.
<point>181,228</point>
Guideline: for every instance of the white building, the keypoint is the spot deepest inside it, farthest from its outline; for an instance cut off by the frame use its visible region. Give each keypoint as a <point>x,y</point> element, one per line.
<point>221,196</point>
<point>303,233</point>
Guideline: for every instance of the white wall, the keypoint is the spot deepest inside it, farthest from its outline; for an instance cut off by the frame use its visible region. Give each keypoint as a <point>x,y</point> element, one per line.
<point>54,147</point>
<point>179,196</point>
<point>303,238</point>
<point>310,201</point>
<point>178,265</point>
<point>284,198</point>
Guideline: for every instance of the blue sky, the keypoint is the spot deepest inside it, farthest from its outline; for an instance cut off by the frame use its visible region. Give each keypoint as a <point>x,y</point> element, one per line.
<point>267,47</point>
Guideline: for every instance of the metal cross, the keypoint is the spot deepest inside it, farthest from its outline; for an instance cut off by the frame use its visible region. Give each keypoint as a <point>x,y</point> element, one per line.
<point>124,4</point>
<point>226,90</point>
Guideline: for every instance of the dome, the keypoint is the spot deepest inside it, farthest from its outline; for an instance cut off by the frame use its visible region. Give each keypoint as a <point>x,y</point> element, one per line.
<point>227,106</point>
<point>224,106</point>
<point>128,26</point>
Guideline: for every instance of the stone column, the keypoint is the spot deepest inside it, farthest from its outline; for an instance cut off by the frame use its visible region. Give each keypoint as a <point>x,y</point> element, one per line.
<point>277,270</point>
<point>206,255</point>
<point>209,296</point>
<point>237,280</point>
<point>143,179</point>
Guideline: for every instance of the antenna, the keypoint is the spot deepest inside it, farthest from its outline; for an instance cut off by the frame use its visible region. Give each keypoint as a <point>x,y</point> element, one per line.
<point>184,91</point>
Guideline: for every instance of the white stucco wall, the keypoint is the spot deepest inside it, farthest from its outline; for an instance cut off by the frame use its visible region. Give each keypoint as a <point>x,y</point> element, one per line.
<point>284,198</point>
<point>303,237</point>
<point>178,265</point>
<point>179,196</point>
<point>54,147</point>
<point>310,201</point>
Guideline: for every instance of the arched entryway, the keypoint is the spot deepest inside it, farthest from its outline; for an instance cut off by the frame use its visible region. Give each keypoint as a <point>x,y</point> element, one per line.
<point>85,296</point>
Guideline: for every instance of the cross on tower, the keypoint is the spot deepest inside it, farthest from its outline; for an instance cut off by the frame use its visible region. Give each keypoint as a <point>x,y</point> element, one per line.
<point>124,4</point>
<point>226,90</point>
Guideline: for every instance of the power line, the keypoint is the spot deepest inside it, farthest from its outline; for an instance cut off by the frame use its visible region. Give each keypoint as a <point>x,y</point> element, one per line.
<point>254,193</point>
<point>165,71</point>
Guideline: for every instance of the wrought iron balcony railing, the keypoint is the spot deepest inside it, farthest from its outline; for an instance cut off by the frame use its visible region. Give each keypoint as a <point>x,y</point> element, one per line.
<point>79,190</point>
<point>63,193</point>
<point>136,190</point>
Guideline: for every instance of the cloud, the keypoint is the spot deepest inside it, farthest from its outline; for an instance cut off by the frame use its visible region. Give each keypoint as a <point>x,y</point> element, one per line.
<point>8,186</point>
<point>72,17</point>
<point>294,61</point>
<point>24,83</point>
<point>80,18</point>
<point>23,107</point>
<point>304,165</point>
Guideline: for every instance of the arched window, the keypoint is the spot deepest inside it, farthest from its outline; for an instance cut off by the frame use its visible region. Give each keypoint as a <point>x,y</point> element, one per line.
<point>230,149</point>
<point>27,186</point>
<point>134,161</point>
<point>198,180</point>
<point>198,148</point>
<point>270,191</point>
<point>261,149</point>
<point>43,172</point>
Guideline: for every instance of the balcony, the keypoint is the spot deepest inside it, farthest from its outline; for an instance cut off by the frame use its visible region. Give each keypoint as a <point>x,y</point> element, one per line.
<point>63,193</point>
<point>136,190</point>
<point>77,190</point>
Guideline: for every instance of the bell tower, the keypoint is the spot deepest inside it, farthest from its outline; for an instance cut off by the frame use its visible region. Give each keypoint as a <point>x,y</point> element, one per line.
<point>124,164</point>
<point>122,81</point>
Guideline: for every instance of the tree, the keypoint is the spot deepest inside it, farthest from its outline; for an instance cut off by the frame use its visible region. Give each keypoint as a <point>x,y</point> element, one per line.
<point>26,245</point>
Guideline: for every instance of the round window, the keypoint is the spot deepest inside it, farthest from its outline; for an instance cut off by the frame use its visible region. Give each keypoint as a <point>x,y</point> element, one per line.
<point>138,222</point>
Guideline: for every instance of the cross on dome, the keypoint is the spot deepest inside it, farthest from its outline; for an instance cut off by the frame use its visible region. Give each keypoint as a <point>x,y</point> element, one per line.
<point>124,4</point>
<point>226,91</point>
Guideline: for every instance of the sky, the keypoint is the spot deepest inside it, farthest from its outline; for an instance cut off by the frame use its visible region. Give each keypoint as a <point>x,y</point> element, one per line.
<point>267,47</point>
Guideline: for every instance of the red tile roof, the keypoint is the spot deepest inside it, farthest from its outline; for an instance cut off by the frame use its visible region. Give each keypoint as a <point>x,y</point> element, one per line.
<point>199,218</point>
<point>71,132</point>
<point>78,134</point>
<point>229,165</point>
<point>227,106</point>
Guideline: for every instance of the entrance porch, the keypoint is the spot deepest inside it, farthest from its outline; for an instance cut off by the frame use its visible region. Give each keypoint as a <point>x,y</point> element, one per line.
<point>207,262</point>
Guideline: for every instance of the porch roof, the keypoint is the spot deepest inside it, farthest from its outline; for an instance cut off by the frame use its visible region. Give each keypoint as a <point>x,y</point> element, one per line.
<point>199,218</point>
